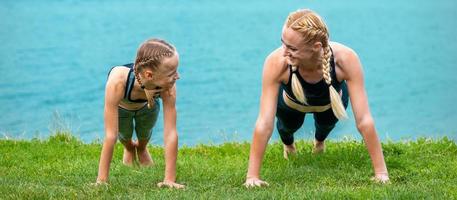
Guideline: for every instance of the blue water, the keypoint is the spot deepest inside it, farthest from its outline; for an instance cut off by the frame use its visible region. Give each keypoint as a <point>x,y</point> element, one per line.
<point>55,55</point>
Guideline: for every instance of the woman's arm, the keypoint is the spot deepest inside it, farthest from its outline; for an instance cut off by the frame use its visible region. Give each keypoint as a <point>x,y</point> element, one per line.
<point>113,94</point>
<point>170,137</point>
<point>265,121</point>
<point>354,75</point>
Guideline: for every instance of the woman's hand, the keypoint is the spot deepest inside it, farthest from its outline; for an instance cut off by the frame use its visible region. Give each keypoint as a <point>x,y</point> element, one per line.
<point>255,182</point>
<point>170,184</point>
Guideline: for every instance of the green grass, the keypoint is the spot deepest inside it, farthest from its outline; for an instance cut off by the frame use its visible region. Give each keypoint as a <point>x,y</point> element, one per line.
<point>62,167</point>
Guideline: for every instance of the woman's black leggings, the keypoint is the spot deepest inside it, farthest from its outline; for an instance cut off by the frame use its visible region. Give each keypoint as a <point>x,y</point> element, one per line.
<point>290,120</point>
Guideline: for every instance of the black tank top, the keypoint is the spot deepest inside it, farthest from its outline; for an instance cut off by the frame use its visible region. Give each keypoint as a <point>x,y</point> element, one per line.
<point>129,85</point>
<point>316,94</point>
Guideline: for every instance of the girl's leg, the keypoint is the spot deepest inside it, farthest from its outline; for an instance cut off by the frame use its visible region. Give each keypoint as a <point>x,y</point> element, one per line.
<point>143,153</point>
<point>129,152</point>
<point>125,135</point>
<point>145,120</point>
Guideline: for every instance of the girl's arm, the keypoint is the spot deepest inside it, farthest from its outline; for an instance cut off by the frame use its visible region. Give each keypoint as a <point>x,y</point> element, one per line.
<point>170,137</point>
<point>354,75</point>
<point>113,94</point>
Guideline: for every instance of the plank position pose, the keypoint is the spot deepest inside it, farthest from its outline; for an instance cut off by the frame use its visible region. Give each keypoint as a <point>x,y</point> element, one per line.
<point>310,74</point>
<point>132,95</point>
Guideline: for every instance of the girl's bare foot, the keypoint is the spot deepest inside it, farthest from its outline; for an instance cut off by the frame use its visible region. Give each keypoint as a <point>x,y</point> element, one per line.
<point>129,156</point>
<point>319,147</point>
<point>143,154</point>
<point>144,157</point>
<point>289,149</point>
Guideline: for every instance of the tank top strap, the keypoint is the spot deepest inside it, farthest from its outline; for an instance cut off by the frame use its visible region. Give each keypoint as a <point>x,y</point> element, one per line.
<point>129,84</point>
<point>332,67</point>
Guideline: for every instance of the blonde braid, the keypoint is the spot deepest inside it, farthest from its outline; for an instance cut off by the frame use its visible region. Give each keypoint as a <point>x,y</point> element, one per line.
<point>335,99</point>
<point>313,29</point>
<point>150,55</point>
<point>326,66</point>
<point>297,88</point>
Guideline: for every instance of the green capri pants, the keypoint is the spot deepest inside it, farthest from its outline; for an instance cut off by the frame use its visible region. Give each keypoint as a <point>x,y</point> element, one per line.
<point>142,120</point>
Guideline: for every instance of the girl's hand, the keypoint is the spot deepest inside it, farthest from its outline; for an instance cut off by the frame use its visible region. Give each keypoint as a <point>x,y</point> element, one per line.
<point>170,184</point>
<point>154,92</point>
<point>382,178</point>
<point>99,183</point>
<point>255,182</point>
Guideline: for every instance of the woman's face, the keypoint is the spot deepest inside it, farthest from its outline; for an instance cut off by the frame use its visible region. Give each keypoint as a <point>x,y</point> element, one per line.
<point>294,49</point>
<point>165,75</point>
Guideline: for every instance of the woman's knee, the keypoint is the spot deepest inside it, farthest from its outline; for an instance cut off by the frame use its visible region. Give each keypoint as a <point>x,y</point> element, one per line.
<point>288,127</point>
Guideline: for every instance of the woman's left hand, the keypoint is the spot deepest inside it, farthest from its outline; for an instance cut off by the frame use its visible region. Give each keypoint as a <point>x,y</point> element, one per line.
<point>170,184</point>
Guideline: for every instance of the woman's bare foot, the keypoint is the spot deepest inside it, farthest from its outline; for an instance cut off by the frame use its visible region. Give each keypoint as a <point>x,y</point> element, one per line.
<point>289,149</point>
<point>319,147</point>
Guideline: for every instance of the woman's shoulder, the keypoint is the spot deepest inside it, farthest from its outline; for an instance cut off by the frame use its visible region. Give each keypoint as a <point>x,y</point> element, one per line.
<point>275,57</point>
<point>343,54</point>
<point>275,66</point>
<point>346,59</point>
<point>275,62</point>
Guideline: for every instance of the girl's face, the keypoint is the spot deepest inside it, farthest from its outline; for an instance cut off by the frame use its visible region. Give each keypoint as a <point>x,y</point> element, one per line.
<point>294,49</point>
<point>164,76</point>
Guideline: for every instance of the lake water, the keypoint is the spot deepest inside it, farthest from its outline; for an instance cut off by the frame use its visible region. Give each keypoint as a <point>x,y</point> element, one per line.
<point>55,55</point>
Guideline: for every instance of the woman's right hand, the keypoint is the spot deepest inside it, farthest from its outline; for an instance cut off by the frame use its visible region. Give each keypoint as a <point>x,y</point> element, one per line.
<point>255,182</point>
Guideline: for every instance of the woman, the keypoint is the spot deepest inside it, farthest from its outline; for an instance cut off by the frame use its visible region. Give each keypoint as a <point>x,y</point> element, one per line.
<point>310,74</point>
<point>131,94</point>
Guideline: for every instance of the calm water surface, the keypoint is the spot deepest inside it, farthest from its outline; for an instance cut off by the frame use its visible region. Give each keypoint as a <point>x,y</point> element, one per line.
<point>55,55</point>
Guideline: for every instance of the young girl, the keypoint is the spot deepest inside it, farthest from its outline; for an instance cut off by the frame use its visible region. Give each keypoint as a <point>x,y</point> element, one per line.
<point>131,103</point>
<point>310,74</point>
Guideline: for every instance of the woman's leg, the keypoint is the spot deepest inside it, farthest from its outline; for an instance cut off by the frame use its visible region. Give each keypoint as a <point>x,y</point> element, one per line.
<point>324,124</point>
<point>288,122</point>
<point>326,121</point>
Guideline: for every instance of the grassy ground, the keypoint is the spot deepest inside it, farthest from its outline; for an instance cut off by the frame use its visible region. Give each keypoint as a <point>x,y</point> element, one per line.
<point>62,167</point>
